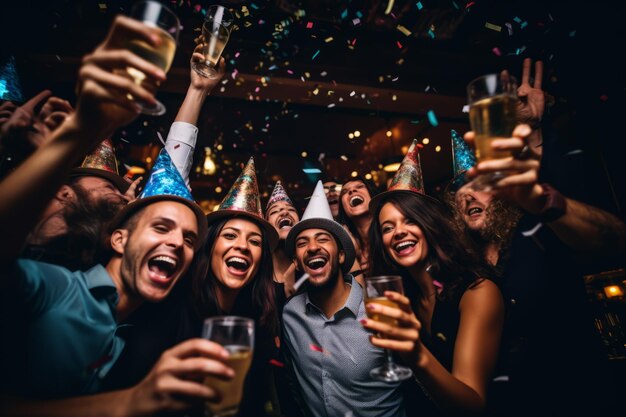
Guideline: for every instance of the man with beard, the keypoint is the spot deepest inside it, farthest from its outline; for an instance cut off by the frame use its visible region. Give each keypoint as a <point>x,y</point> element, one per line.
<point>542,262</point>
<point>72,229</point>
<point>282,214</point>
<point>66,327</point>
<point>488,223</point>
<point>328,352</point>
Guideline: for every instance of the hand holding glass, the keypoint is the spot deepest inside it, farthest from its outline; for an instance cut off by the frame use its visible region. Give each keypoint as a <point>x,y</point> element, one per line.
<point>166,26</point>
<point>375,288</point>
<point>493,105</point>
<point>215,35</point>
<point>235,334</point>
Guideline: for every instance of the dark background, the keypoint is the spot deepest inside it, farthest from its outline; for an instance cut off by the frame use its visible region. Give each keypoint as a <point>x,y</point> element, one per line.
<point>282,97</point>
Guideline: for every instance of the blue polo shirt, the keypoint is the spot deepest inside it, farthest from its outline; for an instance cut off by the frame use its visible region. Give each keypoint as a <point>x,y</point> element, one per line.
<point>331,358</point>
<point>59,329</point>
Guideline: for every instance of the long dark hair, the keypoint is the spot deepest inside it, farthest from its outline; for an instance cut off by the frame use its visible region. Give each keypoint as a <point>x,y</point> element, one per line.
<point>258,296</point>
<point>343,217</point>
<point>450,263</point>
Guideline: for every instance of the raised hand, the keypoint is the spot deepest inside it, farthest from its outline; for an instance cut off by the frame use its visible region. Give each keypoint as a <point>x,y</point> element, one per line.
<point>532,99</point>
<point>204,83</point>
<point>20,131</point>
<point>403,338</point>
<point>521,171</point>
<point>106,97</point>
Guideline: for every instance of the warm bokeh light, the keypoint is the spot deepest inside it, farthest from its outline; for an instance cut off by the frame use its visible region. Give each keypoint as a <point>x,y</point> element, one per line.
<point>357,133</point>
<point>613,291</point>
<point>350,135</point>
<point>354,174</point>
<point>389,133</point>
<point>425,141</point>
<point>438,148</point>
<point>368,176</point>
<point>218,189</point>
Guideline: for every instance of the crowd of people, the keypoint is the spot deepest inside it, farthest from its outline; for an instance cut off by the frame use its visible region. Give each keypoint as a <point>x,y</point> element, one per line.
<point>106,282</point>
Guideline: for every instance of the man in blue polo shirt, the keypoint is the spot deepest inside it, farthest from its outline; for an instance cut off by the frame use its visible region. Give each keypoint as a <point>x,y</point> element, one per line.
<point>328,351</point>
<point>62,329</point>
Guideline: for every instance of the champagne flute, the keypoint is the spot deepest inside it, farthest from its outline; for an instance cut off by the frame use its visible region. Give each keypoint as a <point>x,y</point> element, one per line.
<point>166,26</point>
<point>375,288</point>
<point>215,34</point>
<point>236,335</point>
<point>493,106</point>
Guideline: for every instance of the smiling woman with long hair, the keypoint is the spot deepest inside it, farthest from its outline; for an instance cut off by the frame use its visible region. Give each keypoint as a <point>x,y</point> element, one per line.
<point>449,321</point>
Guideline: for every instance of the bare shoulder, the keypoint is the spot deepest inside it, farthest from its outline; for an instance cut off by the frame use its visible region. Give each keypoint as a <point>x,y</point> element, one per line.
<point>484,295</point>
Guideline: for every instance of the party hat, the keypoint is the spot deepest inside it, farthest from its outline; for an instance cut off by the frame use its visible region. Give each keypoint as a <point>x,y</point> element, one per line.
<point>462,159</point>
<point>165,184</point>
<point>408,178</point>
<point>243,200</point>
<point>318,216</point>
<point>278,194</point>
<point>101,162</point>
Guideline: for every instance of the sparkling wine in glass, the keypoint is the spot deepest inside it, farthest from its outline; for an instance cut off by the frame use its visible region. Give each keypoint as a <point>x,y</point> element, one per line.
<point>493,106</point>
<point>215,34</point>
<point>375,288</point>
<point>236,335</point>
<point>166,26</point>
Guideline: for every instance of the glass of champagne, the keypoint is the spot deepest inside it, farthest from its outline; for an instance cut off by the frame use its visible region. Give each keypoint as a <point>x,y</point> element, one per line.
<point>166,26</point>
<point>215,34</point>
<point>493,106</point>
<point>375,288</point>
<point>235,334</point>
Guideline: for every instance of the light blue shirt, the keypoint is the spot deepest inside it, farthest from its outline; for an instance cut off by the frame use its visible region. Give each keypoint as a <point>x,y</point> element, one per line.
<point>331,360</point>
<point>60,335</point>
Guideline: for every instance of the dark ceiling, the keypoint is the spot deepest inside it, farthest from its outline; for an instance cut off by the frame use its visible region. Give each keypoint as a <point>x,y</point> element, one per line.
<point>302,75</point>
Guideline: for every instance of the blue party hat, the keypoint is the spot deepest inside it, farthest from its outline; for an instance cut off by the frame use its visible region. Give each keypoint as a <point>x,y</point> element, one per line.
<point>462,159</point>
<point>165,184</point>
<point>165,179</point>
<point>10,87</point>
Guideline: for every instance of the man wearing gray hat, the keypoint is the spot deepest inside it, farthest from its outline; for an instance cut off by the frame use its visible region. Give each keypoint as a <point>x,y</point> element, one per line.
<point>327,351</point>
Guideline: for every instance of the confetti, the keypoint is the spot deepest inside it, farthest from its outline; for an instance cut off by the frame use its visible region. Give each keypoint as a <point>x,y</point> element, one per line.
<point>276,363</point>
<point>496,51</point>
<point>300,281</point>
<point>404,30</point>
<point>316,348</point>
<point>493,27</point>
<point>389,6</point>
<point>356,21</point>
<point>328,39</point>
<point>419,5</point>
<point>399,44</point>
<point>309,25</point>
<point>315,55</point>
<point>432,118</point>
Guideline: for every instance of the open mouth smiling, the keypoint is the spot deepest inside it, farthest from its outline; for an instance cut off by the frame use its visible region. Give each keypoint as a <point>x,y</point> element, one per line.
<point>285,222</point>
<point>317,262</point>
<point>356,201</point>
<point>237,263</point>
<point>474,210</point>
<point>163,266</point>
<point>404,246</point>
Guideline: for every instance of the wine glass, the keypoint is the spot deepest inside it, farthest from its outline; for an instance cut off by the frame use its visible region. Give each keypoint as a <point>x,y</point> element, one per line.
<point>236,335</point>
<point>166,26</point>
<point>493,106</point>
<point>375,288</point>
<point>215,34</point>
